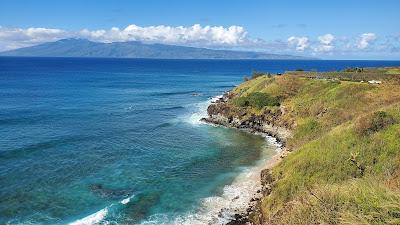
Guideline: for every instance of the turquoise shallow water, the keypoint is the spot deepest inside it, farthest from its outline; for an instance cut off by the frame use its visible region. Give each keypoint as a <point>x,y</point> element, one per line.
<point>117,141</point>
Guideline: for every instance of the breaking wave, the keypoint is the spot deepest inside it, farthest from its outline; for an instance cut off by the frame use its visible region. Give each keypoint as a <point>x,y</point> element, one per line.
<point>99,216</point>
<point>200,111</point>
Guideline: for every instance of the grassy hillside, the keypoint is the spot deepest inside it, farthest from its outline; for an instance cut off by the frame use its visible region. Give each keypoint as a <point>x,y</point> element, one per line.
<point>345,162</point>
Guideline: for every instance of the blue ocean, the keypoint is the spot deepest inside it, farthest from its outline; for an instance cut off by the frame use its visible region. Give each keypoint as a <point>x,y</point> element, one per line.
<point>119,141</point>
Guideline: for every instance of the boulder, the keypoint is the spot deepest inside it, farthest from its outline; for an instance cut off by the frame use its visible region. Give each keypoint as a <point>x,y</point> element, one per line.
<point>266,177</point>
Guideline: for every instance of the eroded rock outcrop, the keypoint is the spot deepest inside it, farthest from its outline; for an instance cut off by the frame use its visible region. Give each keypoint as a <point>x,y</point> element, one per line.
<point>269,122</point>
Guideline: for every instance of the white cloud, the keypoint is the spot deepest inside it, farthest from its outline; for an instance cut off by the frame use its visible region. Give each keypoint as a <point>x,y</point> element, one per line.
<point>326,43</point>
<point>365,40</point>
<point>11,38</point>
<point>207,35</point>
<point>326,39</point>
<point>323,48</point>
<point>195,35</point>
<point>232,37</point>
<point>301,43</point>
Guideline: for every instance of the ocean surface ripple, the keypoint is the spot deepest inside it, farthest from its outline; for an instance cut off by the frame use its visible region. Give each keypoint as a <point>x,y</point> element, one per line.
<point>119,141</point>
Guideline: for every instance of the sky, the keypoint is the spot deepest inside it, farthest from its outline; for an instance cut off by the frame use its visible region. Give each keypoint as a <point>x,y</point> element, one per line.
<point>340,29</point>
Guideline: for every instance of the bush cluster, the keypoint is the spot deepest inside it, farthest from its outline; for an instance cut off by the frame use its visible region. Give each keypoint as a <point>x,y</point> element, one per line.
<point>257,74</point>
<point>354,69</point>
<point>257,100</point>
<point>373,123</point>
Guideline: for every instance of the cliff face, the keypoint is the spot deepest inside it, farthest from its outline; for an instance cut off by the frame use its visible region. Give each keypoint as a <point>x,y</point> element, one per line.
<point>343,138</point>
<point>223,113</point>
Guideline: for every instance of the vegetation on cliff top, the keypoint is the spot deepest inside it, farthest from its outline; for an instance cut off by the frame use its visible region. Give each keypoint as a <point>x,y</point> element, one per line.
<point>257,100</point>
<point>345,164</point>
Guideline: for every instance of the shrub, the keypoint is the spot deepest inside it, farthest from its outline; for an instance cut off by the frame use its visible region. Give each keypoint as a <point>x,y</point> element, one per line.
<point>374,122</point>
<point>256,99</point>
<point>354,69</point>
<point>350,69</point>
<point>381,120</point>
<point>242,101</point>
<point>256,74</point>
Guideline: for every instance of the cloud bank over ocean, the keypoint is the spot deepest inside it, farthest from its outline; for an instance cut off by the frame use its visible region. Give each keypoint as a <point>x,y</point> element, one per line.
<point>220,37</point>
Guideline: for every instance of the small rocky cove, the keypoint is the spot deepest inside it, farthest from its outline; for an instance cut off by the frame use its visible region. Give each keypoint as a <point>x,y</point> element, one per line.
<point>221,112</point>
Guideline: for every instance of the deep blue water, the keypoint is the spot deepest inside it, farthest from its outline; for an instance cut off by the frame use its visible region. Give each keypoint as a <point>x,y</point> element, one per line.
<point>119,139</point>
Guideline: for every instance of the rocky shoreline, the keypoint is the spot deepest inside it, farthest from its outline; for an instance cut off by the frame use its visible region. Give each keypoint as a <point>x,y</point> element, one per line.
<point>222,114</point>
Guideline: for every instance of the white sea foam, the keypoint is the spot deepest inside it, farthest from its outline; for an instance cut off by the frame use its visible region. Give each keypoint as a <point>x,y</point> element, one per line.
<point>99,216</point>
<point>199,111</point>
<point>126,200</point>
<point>94,218</point>
<point>234,199</point>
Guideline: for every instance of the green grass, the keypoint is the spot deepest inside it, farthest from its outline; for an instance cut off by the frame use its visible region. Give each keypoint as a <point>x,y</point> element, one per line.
<point>336,174</point>
<point>386,74</point>
<point>356,201</point>
<point>327,160</point>
<point>257,100</point>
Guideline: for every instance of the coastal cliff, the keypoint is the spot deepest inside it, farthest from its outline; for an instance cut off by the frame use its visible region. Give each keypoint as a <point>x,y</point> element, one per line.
<point>340,138</point>
<point>224,114</point>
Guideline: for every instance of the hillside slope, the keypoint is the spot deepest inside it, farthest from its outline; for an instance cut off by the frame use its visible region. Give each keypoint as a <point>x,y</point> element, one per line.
<point>344,161</point>
<point>134,49</point>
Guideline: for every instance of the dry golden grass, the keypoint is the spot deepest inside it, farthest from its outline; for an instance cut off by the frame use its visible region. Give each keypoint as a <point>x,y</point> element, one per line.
<point>346,165</point>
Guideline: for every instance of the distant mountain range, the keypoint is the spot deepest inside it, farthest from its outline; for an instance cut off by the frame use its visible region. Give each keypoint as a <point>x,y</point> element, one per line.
<point>134,49</point>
